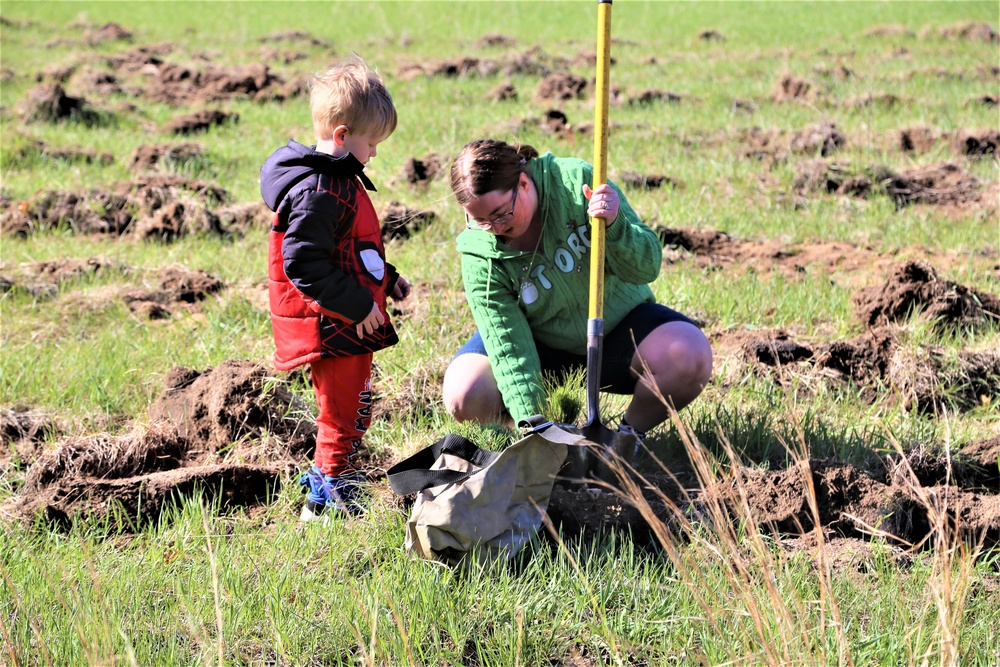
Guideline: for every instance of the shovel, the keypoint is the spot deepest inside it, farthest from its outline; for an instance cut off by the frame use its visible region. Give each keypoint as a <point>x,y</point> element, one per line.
<point>607,446</point>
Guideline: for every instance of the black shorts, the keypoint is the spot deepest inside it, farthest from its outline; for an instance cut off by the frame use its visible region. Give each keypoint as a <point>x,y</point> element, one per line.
<point>616,353</point>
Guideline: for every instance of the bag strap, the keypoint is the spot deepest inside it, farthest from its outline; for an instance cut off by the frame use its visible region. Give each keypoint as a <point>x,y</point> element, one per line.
<point>414,474</point>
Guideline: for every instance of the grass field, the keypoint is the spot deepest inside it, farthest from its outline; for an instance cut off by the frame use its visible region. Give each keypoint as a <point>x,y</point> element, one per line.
<point>806,150</point>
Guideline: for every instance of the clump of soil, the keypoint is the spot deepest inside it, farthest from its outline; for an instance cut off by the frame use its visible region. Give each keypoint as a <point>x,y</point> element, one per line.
<point>775,349</point>
<point>49,103</point>
<point>884,100</point>
<point>560,86</point>
<point>891,30</point>
<point>495,39</point>
<point>178,85</point>
<point>977,144</point>
<point>199,121</point>
<point>44,278</point>
<point>40,149</point>
<point>153,156</point>
<point>243,218</point>
<point>651,96</point>
<point>227,431</point>
<point>401,222</point>
<point>23,434</point>
<point>421,171</point>
<point>915,287</point>
<point>971,31</point>
<point>918,139</point>
<point>109,32</point>
<point>823,139</point>
<point>634,179</point>
<point>153,206</point>
<point>177,285</point>
<point>851,502</point>
<point>789,87</point>
<point>502,93</point>
<point>938,184</point>
<point>711,35</point>
<point>930,381</point>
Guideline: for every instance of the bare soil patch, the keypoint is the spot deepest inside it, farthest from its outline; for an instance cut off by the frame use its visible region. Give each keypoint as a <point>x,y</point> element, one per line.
<point>914,286</point>
<point>227,431</point>
<point>151,206</point>
<point>401,222</point>
<point>851,502</point>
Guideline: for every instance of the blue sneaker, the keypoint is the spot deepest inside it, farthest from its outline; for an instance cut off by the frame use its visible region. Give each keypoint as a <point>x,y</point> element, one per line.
<point>344,493</point>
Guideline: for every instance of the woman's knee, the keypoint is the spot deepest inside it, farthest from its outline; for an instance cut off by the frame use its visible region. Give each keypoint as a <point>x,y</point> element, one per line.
<point>470,392</point>
<point>678,350</point>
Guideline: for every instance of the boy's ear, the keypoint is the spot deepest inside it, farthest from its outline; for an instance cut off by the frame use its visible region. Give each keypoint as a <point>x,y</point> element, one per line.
<point>340,134</point>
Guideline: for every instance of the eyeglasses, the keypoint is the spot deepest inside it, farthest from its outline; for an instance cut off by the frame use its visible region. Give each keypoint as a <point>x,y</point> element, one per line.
<point>501,219</point>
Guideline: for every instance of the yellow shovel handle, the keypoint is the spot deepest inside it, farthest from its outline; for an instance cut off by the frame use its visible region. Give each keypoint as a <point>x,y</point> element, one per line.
<point>596,310</point>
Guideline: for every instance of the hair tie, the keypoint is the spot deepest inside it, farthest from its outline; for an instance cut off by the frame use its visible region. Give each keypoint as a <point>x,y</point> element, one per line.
<point>523,161</point>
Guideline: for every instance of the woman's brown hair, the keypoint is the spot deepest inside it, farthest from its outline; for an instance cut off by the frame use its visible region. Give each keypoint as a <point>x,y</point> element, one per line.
<point>485,165</point>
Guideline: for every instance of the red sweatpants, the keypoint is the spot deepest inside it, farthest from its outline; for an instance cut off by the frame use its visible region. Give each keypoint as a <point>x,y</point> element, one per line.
<point>343,387</point>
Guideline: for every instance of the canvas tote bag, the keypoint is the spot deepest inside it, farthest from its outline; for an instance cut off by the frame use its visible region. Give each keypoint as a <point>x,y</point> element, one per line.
<point>471,500</point>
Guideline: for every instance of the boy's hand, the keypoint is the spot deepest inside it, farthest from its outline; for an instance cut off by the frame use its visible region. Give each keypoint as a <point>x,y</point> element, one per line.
<point>374,320</point>
<point>401,289</point>
<point>604,202</point>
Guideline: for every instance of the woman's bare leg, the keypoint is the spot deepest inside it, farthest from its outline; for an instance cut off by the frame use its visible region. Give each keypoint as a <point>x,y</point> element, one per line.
<point>470,391</point>
<point>679,358</point>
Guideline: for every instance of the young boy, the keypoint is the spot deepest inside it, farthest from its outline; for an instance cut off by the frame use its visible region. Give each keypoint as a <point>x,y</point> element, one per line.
<point>327,275</point>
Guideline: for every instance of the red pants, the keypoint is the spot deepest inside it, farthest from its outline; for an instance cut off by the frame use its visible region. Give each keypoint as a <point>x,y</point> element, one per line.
<point>343,388</point>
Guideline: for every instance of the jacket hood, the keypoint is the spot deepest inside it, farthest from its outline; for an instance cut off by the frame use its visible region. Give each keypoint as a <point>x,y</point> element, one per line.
<point>294,162</point>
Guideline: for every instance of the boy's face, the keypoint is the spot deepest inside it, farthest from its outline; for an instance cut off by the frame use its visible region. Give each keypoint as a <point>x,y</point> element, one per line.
<point>361,146</point>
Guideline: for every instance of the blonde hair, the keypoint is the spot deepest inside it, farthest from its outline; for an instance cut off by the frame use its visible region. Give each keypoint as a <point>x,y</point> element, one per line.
<point>485,165</point>
<point>352,94</point>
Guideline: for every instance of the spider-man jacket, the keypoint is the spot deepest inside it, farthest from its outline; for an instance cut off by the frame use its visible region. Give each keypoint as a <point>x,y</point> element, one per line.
<point>326,261</point>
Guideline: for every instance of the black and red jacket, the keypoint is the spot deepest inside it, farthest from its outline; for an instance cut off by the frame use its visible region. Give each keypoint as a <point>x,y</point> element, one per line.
<point>326,260</point>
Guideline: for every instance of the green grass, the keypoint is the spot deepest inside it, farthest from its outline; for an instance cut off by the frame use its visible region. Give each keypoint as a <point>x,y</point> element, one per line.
<point>206,586</point>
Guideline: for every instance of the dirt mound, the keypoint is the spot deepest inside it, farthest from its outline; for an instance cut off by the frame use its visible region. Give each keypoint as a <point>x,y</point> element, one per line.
<point>49,103</point>
<point>152,206</point>
<point>789,87</point>
<point>400,222</point>
<point>421,171</point>
<point>532,62</point>
<point>502,93</point>
<point>915,287</point>
<point>161,156</point>
<point>938,184</point>
<point>850,502</point>
<point>977,144</point>
<point>23,434</point>
<point>651,96</point>
<point>945,185</point>
<point>968,30</point>
<point>823,139</point>
<point>634,179</point>
<point>37,149</point>
<point>560,86</point>
<point>228,404</point>
<point>200,121</point>
<point>924,378</point>
<point>713,249</point>
<point>495,39</point>
<point>228,431</point>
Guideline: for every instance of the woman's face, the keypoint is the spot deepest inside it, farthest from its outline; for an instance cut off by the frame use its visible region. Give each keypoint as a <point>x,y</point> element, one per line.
<point>503,212</point>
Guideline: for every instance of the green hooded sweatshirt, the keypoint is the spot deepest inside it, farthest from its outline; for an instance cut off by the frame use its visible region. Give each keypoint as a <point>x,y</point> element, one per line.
<point>518,296</point>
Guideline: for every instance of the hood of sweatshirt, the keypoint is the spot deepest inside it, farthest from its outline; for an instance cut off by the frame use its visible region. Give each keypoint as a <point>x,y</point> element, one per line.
<point>294,162</point>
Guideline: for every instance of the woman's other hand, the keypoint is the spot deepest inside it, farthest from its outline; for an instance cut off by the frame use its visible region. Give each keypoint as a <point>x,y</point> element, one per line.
<point>604,202</point>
